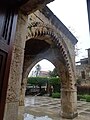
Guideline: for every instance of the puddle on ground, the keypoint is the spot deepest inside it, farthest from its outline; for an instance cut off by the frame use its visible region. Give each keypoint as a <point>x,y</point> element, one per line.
<point>31,117</point>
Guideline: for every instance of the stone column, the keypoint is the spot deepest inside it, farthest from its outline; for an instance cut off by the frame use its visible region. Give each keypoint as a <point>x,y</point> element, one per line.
<point>68,96</point>
<point>21,101</point>
<point>22,92</point>
<point>68,103</point>
<point>15,76</point>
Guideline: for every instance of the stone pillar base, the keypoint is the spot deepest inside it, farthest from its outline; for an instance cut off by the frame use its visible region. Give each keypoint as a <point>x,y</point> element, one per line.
<point>11,111</point>
<point>69,103</point>
<point>21,113</point>
<point>68,115</point>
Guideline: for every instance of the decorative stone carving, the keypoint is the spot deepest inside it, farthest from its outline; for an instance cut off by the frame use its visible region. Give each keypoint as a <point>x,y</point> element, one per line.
<point>37,30</point>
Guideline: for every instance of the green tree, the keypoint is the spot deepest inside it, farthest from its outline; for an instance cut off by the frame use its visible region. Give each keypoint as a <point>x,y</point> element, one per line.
<point>38,69</point>
<point>42,81</point>
<point>53,73</point>
<point>56,83</point>
<point>39,81</point>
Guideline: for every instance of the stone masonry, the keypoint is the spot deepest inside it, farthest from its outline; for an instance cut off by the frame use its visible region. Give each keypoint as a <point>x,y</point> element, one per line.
<point>44,29</point>
<point>43,37</point>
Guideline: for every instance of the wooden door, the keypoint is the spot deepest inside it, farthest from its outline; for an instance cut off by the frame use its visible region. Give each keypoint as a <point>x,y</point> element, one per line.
<point>8,20</point>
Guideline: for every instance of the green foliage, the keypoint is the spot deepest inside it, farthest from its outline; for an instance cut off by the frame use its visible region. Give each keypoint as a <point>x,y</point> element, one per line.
<point>37,81</point>
<point>88,98</point>
<point>41,81</point>
<point>56,95</point>
<point>84,97</point>
<point>54,81</point>
<point>53,73</point>
<point>80,97</point>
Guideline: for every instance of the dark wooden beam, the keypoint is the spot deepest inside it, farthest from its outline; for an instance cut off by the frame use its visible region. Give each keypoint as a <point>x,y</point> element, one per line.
<point>32,5</point>
<point>12,3</point>
<point>27,6</point>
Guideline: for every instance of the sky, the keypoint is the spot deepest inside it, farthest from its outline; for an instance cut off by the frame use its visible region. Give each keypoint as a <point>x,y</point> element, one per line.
<point>73,14</point>
<point>45,66</point>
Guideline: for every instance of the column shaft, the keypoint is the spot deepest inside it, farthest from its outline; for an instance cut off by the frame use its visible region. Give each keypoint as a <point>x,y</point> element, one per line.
<point>68,103</point>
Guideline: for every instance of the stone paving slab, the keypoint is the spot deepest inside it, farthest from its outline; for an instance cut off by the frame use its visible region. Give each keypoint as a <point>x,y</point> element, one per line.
<point>41,106</point>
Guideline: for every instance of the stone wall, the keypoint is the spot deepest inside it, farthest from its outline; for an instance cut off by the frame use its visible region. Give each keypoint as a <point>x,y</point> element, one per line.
<point>41,27</point>
<point>61,54</point>
<point>69,42</point>
<point>16,68</point>
<point>86,69</point>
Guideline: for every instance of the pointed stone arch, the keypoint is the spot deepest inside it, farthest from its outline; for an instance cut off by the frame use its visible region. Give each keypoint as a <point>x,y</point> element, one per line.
<point>42,32</point>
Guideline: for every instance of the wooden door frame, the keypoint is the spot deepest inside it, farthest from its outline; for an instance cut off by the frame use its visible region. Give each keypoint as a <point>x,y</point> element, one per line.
<point>7,65</point>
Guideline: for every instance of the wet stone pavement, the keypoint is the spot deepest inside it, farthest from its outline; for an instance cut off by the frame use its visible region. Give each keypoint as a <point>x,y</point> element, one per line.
<point>41,106</point>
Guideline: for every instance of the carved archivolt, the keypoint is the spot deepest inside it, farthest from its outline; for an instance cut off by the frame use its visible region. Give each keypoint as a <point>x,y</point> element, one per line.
<point>38,30</point>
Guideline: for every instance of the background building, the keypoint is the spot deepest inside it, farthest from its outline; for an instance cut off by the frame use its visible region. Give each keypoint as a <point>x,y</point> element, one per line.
<point>83,70</point>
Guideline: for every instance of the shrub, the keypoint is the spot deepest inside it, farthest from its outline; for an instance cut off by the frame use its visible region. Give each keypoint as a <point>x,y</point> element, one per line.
<point>79,97</point>
<point>88,98</point>
<point>56,95</point>
<point>37,80</point>
<point>56,83</point>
